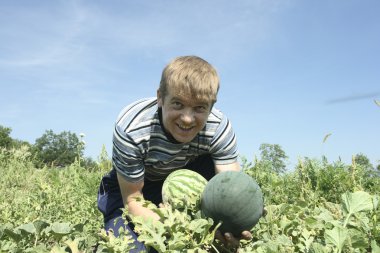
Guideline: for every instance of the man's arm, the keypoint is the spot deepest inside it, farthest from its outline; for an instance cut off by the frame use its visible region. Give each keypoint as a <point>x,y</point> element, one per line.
<point>130,191</point>
<point>226,167</point>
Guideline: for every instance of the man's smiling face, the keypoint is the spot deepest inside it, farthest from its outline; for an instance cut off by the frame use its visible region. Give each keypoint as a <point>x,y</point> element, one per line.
<point>183,116</point>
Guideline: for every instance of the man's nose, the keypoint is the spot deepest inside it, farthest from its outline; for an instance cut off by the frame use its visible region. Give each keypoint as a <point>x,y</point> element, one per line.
<point>187,116</point>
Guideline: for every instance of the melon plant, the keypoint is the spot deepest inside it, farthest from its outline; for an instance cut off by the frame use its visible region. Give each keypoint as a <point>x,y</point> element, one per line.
<point>182,189</point>
<point>234,199</point>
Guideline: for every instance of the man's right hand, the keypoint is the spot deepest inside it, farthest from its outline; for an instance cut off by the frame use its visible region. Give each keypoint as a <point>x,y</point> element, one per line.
<point>131,192</point>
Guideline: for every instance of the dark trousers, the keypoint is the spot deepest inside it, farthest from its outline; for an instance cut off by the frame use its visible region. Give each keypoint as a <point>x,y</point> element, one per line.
<point>110,200</point>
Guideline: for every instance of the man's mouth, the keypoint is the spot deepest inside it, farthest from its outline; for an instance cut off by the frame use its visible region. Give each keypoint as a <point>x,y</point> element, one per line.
<point>185,128</point>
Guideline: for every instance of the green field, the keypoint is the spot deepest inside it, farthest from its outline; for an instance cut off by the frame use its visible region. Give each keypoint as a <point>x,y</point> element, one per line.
<point>319,206</point>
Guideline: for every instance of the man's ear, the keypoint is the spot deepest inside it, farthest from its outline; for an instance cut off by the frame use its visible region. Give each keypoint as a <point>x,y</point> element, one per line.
<point>159,98</point>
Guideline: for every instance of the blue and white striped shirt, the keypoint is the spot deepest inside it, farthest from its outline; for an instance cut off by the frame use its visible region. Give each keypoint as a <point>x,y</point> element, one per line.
<point>141,148</point>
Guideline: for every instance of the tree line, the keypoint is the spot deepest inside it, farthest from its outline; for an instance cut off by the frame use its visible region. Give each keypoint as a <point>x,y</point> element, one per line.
<point>64,148</point>
<point>55,149</point>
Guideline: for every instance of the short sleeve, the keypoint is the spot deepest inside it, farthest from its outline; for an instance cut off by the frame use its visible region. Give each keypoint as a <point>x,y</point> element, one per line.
<point>127,158</point>
<point>223,146</point>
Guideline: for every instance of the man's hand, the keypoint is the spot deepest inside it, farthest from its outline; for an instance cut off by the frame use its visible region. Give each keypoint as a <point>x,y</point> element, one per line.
<point>130,193</point>
<point>231,241</point>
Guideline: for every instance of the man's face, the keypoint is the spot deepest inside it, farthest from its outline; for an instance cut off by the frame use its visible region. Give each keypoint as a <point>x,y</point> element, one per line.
<point>183,117</point>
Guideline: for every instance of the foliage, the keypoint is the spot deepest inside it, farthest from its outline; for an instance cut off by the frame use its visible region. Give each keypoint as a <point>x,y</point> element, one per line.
<point>46,209</point>
<point>176,231</point>
<point>5,138</point>
<point>319,207</point>
<point>58,149</point>
<point>88,163</point>
<point>274,155</point>
<point>52,149</point>
<point>325,227</point>
<point>104,162</point>
<point>17,144</point>
<point>363,161</point>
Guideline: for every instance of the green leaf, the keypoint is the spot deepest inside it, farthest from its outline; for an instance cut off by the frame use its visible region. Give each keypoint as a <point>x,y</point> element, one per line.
<point>362,222</point>
<point>375,247</point>
<point>199,226</point>
<point>283,240</point>
<point>196,251</point>
<point>57,249</point>
<point>73,245</point>
<point>61,228</point>
<point>14,234</point>
<point>377,102</point>
<point>375,201</point>
<point>337,236</point>
<point>357,202</point>
<point>40,225</point>
<point>150,232</point>
<point>27,229</point>
<point>318,248</point>
<point>79,227</point>
<point>312,222</point>
<point>1,230</point>
<point>38,249</point>
<point>325,216</point>
<point>359,240</point>
<point>177,241</point>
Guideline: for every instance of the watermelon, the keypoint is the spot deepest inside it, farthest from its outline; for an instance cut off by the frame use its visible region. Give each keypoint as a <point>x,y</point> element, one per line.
<point>234,199</point>
<point>182,189</point>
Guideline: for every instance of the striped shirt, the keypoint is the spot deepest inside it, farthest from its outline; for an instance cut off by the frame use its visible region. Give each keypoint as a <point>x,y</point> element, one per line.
<point>142,148</point>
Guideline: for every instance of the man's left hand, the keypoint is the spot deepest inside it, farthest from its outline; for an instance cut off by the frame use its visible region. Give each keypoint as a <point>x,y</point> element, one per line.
<point>230,240</point>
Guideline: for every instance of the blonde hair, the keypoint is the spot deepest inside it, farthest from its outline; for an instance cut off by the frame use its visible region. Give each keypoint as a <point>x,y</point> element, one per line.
<point>191,76</point>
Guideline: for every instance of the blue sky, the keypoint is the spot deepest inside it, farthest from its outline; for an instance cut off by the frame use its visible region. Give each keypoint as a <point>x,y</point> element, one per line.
<point>291,71</point>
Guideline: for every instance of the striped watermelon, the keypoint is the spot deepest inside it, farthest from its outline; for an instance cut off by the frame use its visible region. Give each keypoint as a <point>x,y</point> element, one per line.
<point>182,189</point>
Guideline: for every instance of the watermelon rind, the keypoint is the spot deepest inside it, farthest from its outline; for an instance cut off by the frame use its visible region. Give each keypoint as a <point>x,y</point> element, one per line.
<point>182,189</point>
<point>234,199</point>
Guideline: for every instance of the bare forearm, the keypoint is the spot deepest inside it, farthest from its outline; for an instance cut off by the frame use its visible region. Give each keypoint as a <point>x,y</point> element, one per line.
<point>130,193</point>
<point>228,167</point>
<point>135,208</point>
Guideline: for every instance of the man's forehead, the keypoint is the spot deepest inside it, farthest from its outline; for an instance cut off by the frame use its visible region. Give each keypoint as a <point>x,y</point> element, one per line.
<point>189,99</point>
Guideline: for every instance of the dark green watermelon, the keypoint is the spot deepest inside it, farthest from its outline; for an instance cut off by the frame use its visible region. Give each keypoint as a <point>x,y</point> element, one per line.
<point>235,199</point>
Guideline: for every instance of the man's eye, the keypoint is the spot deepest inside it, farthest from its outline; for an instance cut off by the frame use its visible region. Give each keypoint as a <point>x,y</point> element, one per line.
<point>200,108</point>
<point>177,105</point>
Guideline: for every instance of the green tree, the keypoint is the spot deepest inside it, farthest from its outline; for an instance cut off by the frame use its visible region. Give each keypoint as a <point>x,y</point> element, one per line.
<point>273,154</point>
<point>364,168</point>
<point>58,149</point>
<point>364,174</point>
<point>363,161</point>
<point>5,138</point>
<point>17,144</point>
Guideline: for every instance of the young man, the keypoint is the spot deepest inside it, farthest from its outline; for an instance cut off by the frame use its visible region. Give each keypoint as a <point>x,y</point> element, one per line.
<point>153,137</point>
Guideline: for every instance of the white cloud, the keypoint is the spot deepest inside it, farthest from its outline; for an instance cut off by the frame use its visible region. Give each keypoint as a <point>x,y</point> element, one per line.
<point>73,32</point>
<point>69,48</point>
<point>41,36</point>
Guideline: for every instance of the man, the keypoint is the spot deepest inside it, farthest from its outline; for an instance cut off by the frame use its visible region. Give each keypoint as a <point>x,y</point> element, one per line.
<point>179,128</point>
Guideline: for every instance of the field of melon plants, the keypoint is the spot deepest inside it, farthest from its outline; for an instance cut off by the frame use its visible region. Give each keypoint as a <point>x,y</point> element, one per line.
<point>319,207</point>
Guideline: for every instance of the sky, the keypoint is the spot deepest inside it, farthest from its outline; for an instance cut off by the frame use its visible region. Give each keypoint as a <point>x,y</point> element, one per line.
<point>291,71</point>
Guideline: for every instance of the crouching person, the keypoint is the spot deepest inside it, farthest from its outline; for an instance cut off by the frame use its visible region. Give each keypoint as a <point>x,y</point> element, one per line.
<point>179,128</point>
